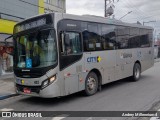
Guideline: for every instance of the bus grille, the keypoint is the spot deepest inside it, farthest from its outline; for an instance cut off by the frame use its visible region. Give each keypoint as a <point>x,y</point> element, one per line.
<point>35,89</point>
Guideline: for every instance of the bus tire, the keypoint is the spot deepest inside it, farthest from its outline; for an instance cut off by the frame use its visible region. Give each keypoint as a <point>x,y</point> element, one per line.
<point>91,84</point>
<point>136,72</point>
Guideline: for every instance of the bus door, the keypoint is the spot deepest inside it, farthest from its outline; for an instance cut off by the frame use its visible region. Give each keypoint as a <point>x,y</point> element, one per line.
<point>109,65</point>
<point>108,39</point>
<point>122,36</point>
<point>71,63</point>
<point>150,50</point>
<point>119,64</point>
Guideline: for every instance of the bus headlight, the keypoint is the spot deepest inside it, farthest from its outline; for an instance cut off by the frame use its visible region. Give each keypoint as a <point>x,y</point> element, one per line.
<point>52,79</point>
<point>48,81</point>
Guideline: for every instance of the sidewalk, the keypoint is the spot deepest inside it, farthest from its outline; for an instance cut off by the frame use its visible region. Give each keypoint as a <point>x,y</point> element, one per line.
<point>7,84</point>
<point>157,60</point>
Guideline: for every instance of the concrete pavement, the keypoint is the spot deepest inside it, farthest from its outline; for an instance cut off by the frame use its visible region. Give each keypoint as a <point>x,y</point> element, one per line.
<point>157,60</point>
<point>6,76</point>
<point>6,86</point>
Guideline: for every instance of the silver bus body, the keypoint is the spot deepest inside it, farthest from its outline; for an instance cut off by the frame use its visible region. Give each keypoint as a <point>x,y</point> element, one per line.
<point>109,65</point>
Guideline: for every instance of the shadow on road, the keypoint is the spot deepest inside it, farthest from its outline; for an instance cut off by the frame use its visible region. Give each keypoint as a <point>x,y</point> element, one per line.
<point>123,82</point>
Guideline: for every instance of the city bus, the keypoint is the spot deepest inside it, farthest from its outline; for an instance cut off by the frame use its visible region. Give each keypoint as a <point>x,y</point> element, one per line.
<point>58,54</point>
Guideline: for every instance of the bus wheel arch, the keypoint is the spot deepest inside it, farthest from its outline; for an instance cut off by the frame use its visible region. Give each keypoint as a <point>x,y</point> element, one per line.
<point>138,62</point>
<point>92,82</point>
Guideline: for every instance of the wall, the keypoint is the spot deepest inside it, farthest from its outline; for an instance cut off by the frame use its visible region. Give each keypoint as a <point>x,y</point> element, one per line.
<point>6,26</point>
<point>18,8</point>
<point>55,6</point>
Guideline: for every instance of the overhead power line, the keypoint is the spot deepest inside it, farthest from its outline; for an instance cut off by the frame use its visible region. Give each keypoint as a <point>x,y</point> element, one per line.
<point>142,14</point>
<point>125,15</point>
<point>135,10</point>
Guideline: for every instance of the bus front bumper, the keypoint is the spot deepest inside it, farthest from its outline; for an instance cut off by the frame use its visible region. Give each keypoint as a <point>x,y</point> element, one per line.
<point>50,91</point>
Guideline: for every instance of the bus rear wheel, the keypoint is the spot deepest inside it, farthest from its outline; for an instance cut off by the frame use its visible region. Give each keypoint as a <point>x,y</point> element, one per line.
<point>136,72</point>
<point>91,84</point>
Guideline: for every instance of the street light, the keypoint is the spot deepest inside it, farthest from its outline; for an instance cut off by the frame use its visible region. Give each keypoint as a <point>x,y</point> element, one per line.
<point>149,22</point>
<point>125,15</point>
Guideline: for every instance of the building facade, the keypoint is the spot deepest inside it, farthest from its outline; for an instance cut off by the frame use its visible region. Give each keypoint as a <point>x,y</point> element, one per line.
<point>55,6</point>
<point>13,11</point>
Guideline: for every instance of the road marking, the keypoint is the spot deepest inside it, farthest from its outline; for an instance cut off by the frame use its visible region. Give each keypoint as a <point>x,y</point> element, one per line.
<point>90,118</point>
<point>155,118</point>
<point>60,117</point>
<point>6,109</point>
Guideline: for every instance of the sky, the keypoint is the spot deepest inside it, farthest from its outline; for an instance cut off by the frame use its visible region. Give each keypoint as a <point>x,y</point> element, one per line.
<point>142,10</point>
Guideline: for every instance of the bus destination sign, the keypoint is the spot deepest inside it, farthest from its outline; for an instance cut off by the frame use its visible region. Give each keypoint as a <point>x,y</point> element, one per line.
<point>31,25</point>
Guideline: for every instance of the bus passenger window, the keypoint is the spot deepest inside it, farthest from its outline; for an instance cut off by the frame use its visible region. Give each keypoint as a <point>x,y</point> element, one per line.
<point>108,37</point>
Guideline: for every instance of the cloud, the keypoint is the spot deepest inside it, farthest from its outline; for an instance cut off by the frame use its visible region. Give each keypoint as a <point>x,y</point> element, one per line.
<point>142,10</point>
<point>81,7</point>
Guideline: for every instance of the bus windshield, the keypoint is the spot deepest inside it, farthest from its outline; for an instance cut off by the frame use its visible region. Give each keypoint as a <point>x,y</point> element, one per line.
<point>36,50</point>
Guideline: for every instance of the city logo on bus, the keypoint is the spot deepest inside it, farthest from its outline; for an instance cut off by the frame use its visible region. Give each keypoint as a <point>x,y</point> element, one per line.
<point>94,59</point>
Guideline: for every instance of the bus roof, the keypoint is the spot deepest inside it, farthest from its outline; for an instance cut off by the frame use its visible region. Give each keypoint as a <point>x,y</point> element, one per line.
<point>99,19</point>
<point>91,18</point>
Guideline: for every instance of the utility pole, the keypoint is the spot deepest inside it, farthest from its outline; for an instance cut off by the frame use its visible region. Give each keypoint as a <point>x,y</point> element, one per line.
<point>107,2</point>
<point>105,8</point>
<point>109,7</point>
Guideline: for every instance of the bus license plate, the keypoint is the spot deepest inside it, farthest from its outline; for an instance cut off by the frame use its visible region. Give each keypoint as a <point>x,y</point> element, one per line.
<point>27,90</point>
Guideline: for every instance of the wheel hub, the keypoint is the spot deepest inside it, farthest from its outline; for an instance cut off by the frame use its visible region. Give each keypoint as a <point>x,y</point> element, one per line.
<point>91,83</point>
<point>137,73</point>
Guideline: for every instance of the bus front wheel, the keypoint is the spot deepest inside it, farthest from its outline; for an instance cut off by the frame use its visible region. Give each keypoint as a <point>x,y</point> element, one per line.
<point>91,84</point>
<point>136,72</point>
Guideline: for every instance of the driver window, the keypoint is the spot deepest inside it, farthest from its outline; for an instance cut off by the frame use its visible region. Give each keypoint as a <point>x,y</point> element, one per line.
<point>72,43</point>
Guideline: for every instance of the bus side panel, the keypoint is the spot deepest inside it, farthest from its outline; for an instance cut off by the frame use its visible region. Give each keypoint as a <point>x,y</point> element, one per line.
<point>109,65</point>
<point>74,77</point>
<point>82,76</point>
<point>124,63</point>
<point>147,58</point>
<point>103,61</point>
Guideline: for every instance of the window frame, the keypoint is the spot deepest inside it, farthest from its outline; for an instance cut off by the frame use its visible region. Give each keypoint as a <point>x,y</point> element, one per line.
<point>26,34</point>
<point>103,38</point>
<point>61,41</point>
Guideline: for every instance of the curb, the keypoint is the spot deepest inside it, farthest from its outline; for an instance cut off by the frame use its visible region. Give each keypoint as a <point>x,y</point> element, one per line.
<point>157,60</point>
<point>4,77</point>
<point>2,97</point>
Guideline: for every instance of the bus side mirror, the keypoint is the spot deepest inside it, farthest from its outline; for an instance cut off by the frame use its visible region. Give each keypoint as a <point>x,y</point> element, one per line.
<point>7,45</point>
<point>66,40</point>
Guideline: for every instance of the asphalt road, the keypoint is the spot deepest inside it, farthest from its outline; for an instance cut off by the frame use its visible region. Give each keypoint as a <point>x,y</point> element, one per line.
<point>122,95</point>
